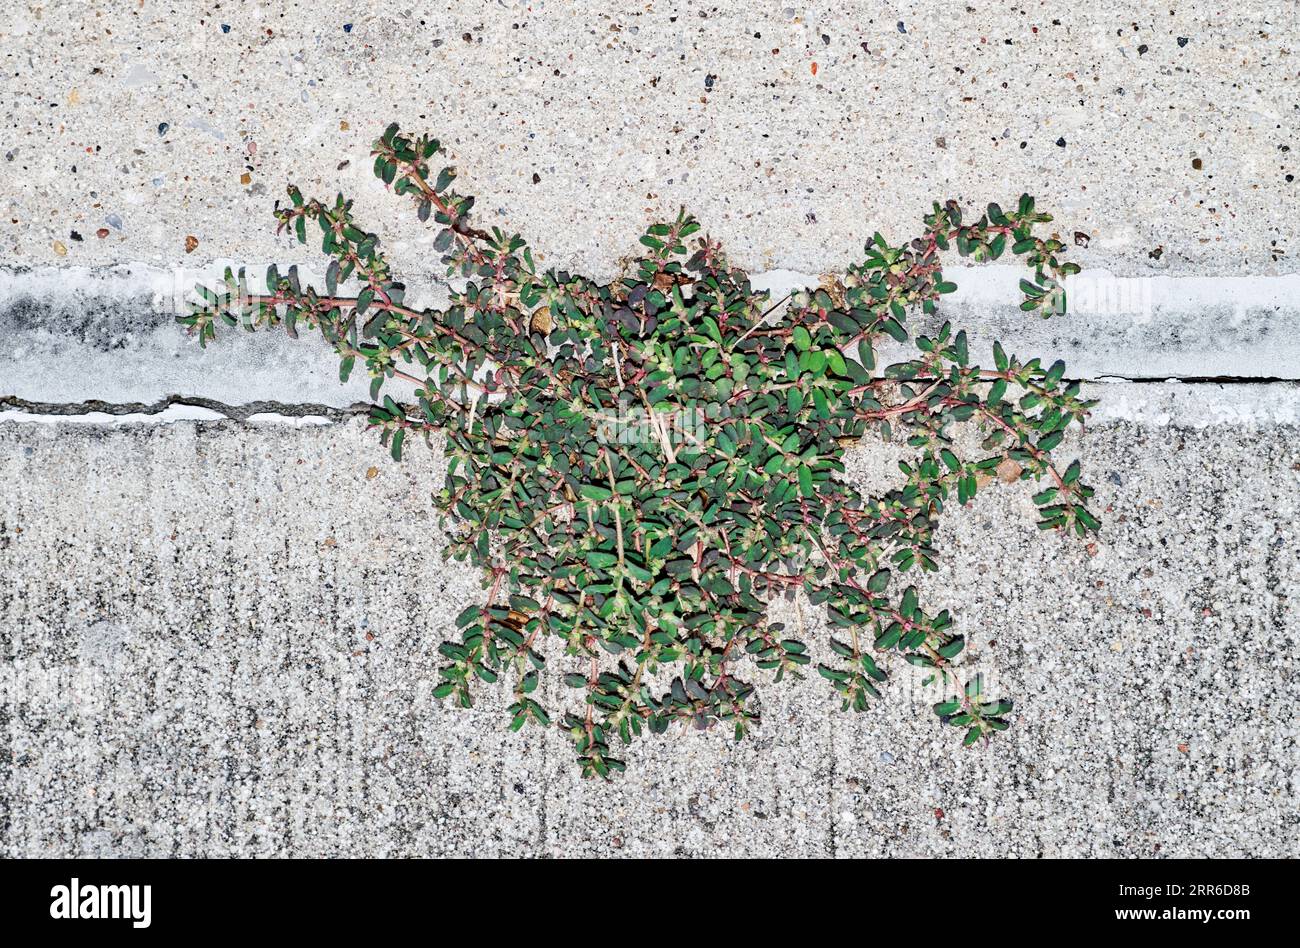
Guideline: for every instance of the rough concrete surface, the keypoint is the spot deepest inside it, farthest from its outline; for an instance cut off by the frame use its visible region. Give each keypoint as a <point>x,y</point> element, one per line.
<point>1163,132</point>
<point>225,644</point>
<point>218,636</point>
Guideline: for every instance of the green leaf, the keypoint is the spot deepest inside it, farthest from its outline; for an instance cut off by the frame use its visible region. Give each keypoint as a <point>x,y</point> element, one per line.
<point>805,481</point>
<point>951,648</point>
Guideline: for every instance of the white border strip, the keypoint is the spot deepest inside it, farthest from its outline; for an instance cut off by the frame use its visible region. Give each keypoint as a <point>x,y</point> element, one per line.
<point>990,285</point>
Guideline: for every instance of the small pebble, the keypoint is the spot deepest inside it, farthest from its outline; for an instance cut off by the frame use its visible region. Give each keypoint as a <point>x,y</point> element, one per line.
<point>901,27</point>
<point>347,27</point>
<point>1114,478</point>
<point>162,128</point>
<point>225,27</point>
<point>191,242</point>
<point>1182,41</point>
<point>886,757</point>
<point>113,221</point>
<point>102,233</point>
<point>1060,143</point>
<point>60,248</point>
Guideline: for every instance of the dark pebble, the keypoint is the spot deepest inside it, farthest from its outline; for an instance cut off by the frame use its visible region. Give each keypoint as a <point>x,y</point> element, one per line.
<point>347,27</point>
<point>1142,50</point>
<point>709,80</point>
<point>537,178</point>
<point>1114,478</point>
<point>162,128</point>
<point>901,27</point>
<point>1183,41</point>
<point>75,236</point>
<point>1060,143</point>
<point>225,27</point>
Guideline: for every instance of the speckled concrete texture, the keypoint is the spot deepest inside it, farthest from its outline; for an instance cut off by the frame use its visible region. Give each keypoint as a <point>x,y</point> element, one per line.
<point>1162,133</point>
<point>225,644</point>
<point>219,638</point>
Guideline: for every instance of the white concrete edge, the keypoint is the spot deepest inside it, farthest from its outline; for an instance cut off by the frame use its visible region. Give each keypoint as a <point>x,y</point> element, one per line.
<point>170,414</point>
<point>1198,405</point>
<point>993,285</point>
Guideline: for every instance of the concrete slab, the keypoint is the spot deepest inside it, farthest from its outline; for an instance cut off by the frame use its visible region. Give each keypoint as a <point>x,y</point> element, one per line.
<point>1165,135</point>
<point>220,639</point>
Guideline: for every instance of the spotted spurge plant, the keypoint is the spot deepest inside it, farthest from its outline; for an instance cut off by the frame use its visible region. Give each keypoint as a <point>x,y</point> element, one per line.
<point>641,467</point>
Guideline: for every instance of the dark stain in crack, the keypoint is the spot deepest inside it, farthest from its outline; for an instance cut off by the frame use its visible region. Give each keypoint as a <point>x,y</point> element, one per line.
<point>101,322</point>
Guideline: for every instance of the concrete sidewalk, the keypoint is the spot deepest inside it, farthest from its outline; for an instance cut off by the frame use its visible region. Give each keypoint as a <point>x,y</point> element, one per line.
<point>220,601</point>
<point>1162,134</point>
<point>220,639</point>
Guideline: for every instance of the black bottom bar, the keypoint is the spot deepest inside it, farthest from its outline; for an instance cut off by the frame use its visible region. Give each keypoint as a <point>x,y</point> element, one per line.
<point>1219,899</point>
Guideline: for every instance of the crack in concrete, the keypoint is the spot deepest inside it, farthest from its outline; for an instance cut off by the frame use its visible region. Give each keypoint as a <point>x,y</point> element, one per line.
<point>1196,379</point>
<point>247,410</point>
<point>241,413</point>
